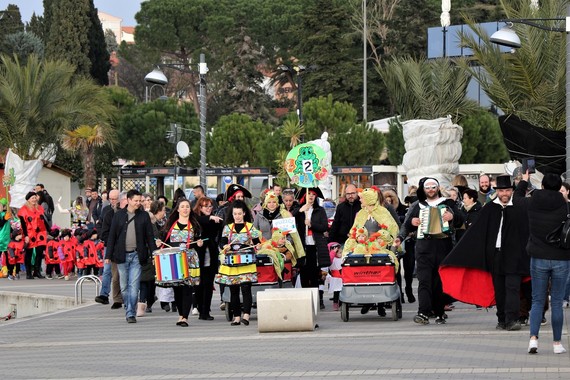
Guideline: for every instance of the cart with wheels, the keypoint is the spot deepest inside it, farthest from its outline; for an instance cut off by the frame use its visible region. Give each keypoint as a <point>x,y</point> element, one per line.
<point>370,281</point>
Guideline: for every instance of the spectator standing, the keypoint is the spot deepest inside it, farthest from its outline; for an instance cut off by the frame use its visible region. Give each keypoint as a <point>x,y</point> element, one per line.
<point>549,264</point>
<point>130,244</point>
<point>345,215</point>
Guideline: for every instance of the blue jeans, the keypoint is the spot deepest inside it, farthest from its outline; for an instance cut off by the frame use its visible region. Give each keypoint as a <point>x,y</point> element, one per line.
<point>129,276</point>
<point>567,291</point>
<point>541,272</point>
<point>106,281</point>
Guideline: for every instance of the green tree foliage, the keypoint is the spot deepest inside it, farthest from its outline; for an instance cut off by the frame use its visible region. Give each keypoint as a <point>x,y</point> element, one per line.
<point>339,120</point>
<point>111,41</point>
<point>98,54</point>
<point>323,41</point>
<point>40,100</point>
<point>529,83</point>
<point>482,139</point>
<point>395,142</point>
<point>68,38</point>
<point>135,63</point>
<point>36,26</point>
<point>421,89</point>
<point>23,44</point>
<point>235,141</point>
<point>11,21</point>
<point>141,130</point>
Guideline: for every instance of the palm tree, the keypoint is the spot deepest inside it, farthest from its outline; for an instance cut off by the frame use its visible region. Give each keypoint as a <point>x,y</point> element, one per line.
<point>529,82</point>
<point>42,99</point>
<point>84,139</point>
<point>293,131</point>
<point>421,89</point>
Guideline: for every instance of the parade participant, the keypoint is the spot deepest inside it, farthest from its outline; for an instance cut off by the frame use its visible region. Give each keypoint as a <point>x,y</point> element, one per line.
<point>344,215</point>
<point>182,230</point>
<point>335,277</point>
<point>130,245</point>
<point>15,253</point>
<point>5,228</point>
<point>290,203</point>
<point>66,250</point>
<point>34,229</point>
<point>431,249</point>
<point>53,260</point>
<point>238,231</point>
<point>549,263</point>
<point>272,210</point>
<point>312,223</point>
<point>493,250</point>
<point>210,225</point>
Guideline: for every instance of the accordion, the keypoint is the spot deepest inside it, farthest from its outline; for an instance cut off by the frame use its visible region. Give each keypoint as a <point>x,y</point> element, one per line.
<point>432,223</point>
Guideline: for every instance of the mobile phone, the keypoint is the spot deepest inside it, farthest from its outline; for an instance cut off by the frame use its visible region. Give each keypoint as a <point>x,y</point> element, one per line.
<point>530,164</point>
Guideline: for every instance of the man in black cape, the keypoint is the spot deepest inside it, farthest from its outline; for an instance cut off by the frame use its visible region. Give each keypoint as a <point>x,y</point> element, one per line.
<point>486,267</point>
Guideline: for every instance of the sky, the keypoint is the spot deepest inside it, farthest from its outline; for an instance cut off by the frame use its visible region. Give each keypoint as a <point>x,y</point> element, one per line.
<point>125,9</point>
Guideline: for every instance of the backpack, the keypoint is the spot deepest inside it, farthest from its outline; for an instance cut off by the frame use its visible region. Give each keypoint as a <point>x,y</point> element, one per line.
<point>560,236</point>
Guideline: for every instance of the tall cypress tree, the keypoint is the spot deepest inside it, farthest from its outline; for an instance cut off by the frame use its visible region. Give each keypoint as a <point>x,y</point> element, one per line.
<point>68,39</point>
<point>11,21</point>
<point>98,54</point>
<point>36,26</point>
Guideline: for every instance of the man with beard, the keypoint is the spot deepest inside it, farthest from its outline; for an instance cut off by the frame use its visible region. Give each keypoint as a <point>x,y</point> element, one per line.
<point>344,215</point>
<point>431,249</point>
<point>490,260</point>
<point>486,192</point>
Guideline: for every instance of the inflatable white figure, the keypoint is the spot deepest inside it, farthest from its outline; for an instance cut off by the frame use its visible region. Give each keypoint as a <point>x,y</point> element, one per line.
<point>433,147</point>
<point>26,173</point>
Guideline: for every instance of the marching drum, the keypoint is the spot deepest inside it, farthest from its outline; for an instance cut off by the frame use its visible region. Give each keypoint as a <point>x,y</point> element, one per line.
<point>176,266</point>
<point>240,255</point>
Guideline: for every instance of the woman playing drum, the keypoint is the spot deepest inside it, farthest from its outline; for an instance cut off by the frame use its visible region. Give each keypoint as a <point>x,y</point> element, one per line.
<point>182,229</point>
<point>239,232</point>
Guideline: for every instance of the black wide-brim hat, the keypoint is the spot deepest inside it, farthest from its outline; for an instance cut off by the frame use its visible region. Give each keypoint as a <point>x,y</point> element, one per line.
<point>234,188</point>
<point>504,182</point>
<point>301,194</point>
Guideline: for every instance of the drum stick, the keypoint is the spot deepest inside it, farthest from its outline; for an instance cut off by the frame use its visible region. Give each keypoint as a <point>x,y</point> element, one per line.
<point>194,242</point>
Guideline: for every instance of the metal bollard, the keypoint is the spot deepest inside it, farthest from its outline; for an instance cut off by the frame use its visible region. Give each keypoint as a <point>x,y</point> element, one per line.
<point>79,287</point>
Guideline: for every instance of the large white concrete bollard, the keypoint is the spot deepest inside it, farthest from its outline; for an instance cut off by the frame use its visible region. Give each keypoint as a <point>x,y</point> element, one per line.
<point>280,310</point>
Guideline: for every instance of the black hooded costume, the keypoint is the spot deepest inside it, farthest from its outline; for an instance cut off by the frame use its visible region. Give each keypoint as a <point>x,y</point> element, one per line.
<point>467,272</point>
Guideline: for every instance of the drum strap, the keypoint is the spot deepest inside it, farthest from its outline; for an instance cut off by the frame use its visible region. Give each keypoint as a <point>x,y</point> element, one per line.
<point>233,229</point>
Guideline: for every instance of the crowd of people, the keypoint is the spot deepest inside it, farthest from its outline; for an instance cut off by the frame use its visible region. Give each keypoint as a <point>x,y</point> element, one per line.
<point>490,248</point>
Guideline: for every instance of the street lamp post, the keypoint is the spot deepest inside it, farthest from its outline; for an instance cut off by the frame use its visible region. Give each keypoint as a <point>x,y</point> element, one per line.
<point>158,77</point>
<point>507,37</point>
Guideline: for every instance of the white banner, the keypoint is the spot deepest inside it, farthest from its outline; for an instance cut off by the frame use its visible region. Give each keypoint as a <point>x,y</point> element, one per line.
<point>26,173</point>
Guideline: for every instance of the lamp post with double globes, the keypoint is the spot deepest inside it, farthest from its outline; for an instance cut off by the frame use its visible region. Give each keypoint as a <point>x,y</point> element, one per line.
<point>507,37</point>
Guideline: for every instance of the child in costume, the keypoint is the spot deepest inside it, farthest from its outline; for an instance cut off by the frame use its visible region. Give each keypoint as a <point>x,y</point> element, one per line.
<point>51,255</point>
<point>15,254</point>
<point>279,249</point>
<point>66,252</point>
<point>334,276</point>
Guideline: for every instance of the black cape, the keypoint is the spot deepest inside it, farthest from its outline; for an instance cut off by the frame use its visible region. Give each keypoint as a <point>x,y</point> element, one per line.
<point>467,272</point>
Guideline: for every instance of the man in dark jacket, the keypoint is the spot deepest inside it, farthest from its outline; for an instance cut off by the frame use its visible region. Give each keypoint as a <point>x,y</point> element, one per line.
<point>110,272</point>
<point>344,215</point>
<point>130,245</point>
<point>432,248</point>
<point>549,263</point>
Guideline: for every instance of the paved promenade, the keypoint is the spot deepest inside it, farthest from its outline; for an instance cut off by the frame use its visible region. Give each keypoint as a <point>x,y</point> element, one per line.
<point>93,342</point>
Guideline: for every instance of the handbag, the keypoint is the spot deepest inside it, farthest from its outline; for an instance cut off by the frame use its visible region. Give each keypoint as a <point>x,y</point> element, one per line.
<point>560,236</point>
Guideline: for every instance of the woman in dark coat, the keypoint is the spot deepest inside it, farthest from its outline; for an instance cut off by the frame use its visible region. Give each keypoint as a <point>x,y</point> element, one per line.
<point>312,223</point>
<point>211,227</point>
<point>469,210</point>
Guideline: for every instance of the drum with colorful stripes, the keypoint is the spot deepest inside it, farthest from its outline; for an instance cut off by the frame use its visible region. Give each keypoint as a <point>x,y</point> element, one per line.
<point>176,266</point>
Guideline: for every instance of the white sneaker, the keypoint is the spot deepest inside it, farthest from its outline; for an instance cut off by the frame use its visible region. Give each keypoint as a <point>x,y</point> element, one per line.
<point>195,311</point>
<point>558,348</point>
<point>533,346</point>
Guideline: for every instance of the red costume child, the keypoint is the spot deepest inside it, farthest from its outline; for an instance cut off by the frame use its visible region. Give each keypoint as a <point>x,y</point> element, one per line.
<point>15,254</point>
<point>66,251</point>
